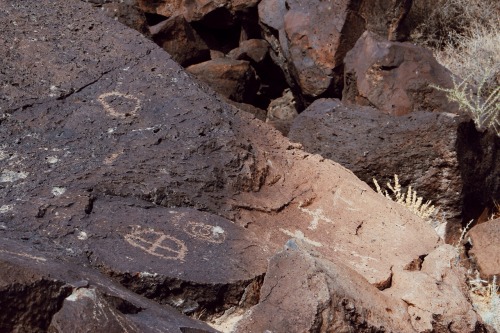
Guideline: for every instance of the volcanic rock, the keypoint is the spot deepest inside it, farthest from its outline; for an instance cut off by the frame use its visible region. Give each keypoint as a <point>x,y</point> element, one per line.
<point>197,262</point>
<point>253,50</point>
<point>387,18</point>
<point>180,40</point>
<point>395,77</point>
<point>235,79</point>
<point>308,294</point>
<point>484,240</point>
<point>40,293</point>
<point>435,295</point>
<point>478,155</point>
<point>419,147</point>
<point>103,135</point>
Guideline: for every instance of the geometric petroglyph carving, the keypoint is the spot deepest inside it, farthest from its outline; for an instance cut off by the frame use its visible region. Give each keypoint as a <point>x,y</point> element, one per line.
<point>205,232</point>
<point>119,104</point>
<point>158,244</point>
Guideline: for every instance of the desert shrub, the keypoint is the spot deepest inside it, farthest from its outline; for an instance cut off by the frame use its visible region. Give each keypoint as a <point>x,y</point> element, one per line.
<point>465,38</point>
<point>440,22</point>
<point>486,299</point>
<point>484,108</point>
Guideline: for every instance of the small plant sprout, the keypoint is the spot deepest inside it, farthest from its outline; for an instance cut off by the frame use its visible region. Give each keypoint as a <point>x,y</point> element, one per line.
<point>409,199</point>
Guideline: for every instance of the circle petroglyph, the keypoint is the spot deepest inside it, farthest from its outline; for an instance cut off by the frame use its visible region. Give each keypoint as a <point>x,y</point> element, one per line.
<point>205,232</point>
<point>119,104</point>
<point>158,244</point>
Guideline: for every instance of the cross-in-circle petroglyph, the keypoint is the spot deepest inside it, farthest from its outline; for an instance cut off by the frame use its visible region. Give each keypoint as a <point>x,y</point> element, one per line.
<point>206,232</point>
<point>158,244</point>
<point>119,104</point>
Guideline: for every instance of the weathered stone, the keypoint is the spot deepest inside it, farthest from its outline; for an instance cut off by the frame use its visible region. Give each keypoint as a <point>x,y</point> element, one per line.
<point>485,251</point>
<point>310,39</point>
<point>178,38</point>
<point>128,13</point>
<point>100,127</point>
<point>308,294</point>
<point>253,50</point>
<point>435,294</point>
<point>167,8</point>
<point>478,155</point>
<point>197,262</point>
<point>419,147</point>
<point>42,293</point>
<point>395,77</point>
<point>235,79</point>
<point>257,112</point>
<point>387,18</point>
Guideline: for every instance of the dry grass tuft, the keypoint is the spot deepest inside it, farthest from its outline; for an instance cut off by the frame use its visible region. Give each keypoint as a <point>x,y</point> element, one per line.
<point>409,199</point>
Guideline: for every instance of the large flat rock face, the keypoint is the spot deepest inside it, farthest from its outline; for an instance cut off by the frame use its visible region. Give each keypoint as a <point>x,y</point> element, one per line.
<point>114,160</point>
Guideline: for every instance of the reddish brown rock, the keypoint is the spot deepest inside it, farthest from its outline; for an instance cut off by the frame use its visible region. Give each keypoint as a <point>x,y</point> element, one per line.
<point>435,294</point>
<point>485,251</point>
<point>308,294</point>
<point>310,39</point>
<point>253,50</point>
<point>127,13</point>
<point>395,77</point>
<point>180,40</point>
<point>235,79</point>
<point>419,147</point>
<point>167,8</point>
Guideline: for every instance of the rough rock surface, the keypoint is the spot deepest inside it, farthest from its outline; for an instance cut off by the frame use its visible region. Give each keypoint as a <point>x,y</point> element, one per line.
<point>310,40</point>
<point>478,154</point>
<point>104,136</point>
<point>180,40</point>
<point>419,147</point>
<point>434,292</point>
<point>395,77</point>
<point>235,79</point>
<point>253,50</point>
<point>485,248</point>
<point>308,294</point>
<point>41,292</point>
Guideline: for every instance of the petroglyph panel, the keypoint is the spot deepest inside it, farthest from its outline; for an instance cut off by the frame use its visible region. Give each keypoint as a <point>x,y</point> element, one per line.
<point>158,244</point>
<point>205,232</point>
<point>120,105</point>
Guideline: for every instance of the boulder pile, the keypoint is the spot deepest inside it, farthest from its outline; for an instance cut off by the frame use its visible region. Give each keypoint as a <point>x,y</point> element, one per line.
<point>134,198</point>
